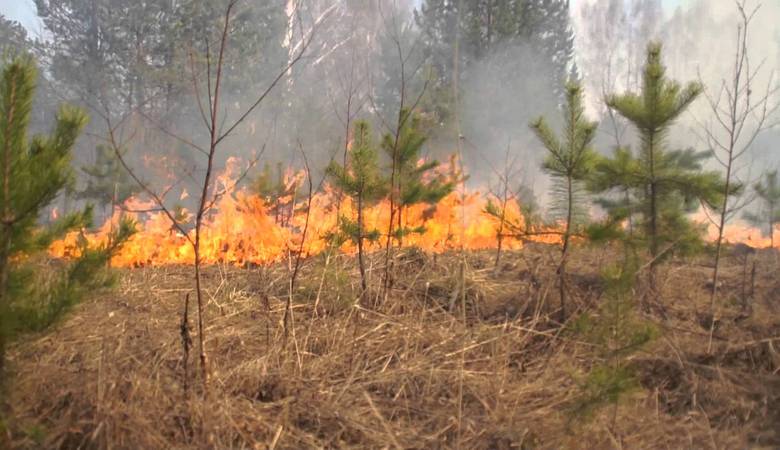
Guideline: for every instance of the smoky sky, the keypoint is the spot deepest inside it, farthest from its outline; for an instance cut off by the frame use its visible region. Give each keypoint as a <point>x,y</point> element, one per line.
<point>503,92</point>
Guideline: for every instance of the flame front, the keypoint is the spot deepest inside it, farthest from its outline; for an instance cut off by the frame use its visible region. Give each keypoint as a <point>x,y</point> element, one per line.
<point>242,228</point>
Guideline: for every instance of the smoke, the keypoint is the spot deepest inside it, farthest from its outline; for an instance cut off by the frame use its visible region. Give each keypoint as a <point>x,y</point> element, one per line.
<point>350,71</point>
<point>701,44</point>
<point>502,94</point>
<point>699,40</point>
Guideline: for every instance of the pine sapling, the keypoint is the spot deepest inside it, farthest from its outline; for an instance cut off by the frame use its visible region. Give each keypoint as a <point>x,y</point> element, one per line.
<point>33,172</point>
<point>362,181</point>
<point>277,191</point>
<point>616,333</point>
<point>416,181</point>
<point>664,185</point>
<point>108,184</point>
<point>569,161</point>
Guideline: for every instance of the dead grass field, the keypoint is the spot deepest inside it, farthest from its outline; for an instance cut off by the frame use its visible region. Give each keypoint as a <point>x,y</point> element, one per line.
<point>407,374</point>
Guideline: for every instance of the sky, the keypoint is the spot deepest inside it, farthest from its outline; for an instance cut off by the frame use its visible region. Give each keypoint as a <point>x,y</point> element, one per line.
<point>22,11</point>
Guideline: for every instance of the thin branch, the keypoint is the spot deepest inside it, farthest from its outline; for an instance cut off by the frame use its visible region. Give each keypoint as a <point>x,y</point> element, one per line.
<point>304,44</point>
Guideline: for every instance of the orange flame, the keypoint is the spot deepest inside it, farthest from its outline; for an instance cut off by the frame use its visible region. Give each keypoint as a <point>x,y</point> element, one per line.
<point>736,232</point>
<point>242,228</point>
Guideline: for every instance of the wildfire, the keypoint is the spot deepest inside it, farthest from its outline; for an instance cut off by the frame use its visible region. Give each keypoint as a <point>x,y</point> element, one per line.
<point>740,232</point>
<point>242,227</point>
<point>736,232</point>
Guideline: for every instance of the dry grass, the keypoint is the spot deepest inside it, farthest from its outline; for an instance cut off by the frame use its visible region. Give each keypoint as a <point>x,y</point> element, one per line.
<point>409,374</point>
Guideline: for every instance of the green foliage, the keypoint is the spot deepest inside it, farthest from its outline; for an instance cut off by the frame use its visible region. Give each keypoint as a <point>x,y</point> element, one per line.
<point>603,386</point>
<point>136,54</point>
<point>40,297</point>
<point>619,172</point>
<point>108,183</point>
<point>278,195</point>
<point>269,183</point>
<point>350,231</point>
<point>32,174</point>
<point>415,182</point>
<point>361,180</point>
<point>617,333</point>
<point>767,192</point>
<point>570,160</point>
<point>487,26</point>
<point>681,187</point>
<point>656,187</point>
<point>525,200</point>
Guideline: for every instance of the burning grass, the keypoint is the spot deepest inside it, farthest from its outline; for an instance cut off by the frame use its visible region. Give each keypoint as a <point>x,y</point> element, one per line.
<point>409,374</point>
<point>244,228</point>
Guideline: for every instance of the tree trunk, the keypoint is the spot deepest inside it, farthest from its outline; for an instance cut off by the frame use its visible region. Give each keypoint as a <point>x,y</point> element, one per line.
<point>653,225</point>
<point>719,244</point>
<point>718,249</point>
<point>400,225</point>
<point>499,235</point>
<point>565,249</point>
<point>199,294</point>
<point>7,227</point>
<point>489,26</point>
<point>361,261</point>
<point>5,253</point>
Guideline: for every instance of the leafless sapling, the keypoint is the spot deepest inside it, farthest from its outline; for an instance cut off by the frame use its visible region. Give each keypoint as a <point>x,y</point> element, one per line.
<point>739,115</point>
<point>218,129</point>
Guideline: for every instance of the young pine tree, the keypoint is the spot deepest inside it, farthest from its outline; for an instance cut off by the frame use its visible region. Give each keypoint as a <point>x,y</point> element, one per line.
<point>523,199</point>
<point>108,184</point>
<point>616,333</point>
<point>569,161</point>
<point>278,193</point>
<point>664,184</point>
<point>415,182</point>
<point>617,176</point>
<point>32,174</point>
<point>768,193</point>
<point>362,181</point>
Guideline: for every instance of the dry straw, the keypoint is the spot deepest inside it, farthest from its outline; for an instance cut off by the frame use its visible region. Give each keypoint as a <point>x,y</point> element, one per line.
<point>348,377</point>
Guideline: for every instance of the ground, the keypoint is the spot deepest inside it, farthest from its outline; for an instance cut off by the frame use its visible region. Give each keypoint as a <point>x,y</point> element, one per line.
<point>407,373</point>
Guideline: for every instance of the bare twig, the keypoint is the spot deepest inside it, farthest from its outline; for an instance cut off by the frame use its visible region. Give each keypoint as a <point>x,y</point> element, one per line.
<point>737,124</point>
<point>299,256</point>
